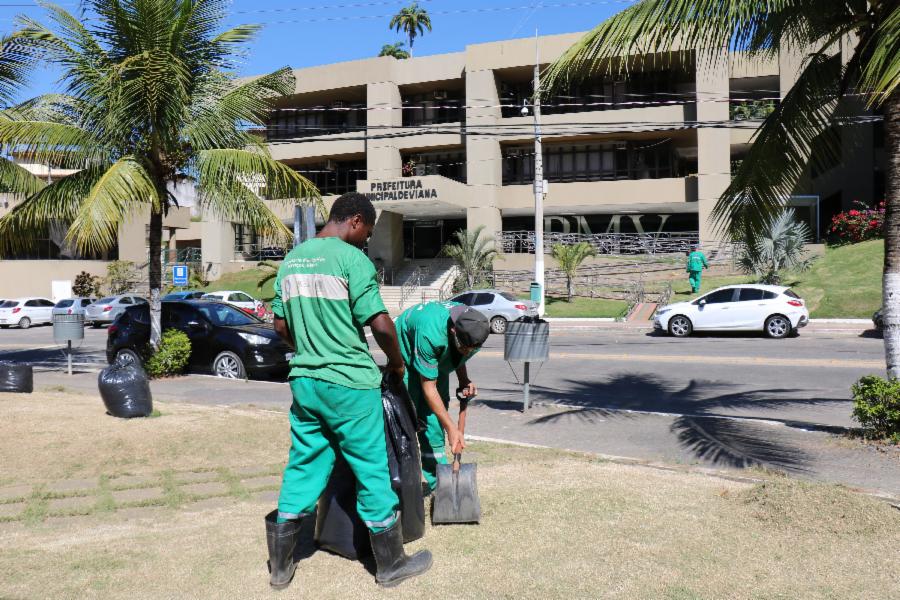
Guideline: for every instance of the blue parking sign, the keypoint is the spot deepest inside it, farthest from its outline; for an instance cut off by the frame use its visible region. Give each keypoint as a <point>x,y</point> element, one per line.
<point>179,275</point>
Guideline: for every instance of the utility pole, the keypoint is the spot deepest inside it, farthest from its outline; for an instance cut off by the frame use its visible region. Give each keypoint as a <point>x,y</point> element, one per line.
<point>538,182</point>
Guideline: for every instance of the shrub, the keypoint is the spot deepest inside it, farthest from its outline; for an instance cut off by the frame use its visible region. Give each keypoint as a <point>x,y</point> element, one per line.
<point>781,247</point>
<point>119,275</point>
<point>86,285</point>
<point>172,356</point>
<point>855,225</point>
<point>876,405</point>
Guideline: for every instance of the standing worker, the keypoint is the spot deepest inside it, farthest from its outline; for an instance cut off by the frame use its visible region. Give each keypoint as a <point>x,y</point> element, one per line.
<point>437,339</point>
<point>325,292</point>
<point>696,262</point>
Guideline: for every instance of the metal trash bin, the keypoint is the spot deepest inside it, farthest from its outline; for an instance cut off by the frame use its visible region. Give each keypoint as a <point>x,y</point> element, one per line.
<point>527,339</point>
<point>68,328</point>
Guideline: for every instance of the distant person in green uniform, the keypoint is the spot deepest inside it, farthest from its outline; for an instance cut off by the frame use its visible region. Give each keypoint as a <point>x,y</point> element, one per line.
<point>437,339</point>
<point>325,292</point>
<point>696,262</point>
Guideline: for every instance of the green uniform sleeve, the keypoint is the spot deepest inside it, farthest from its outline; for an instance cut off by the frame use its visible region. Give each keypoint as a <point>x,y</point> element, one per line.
<point>703,258</point>
<point>426,355</point>
<point>277,304</point>
<point>362,283</point>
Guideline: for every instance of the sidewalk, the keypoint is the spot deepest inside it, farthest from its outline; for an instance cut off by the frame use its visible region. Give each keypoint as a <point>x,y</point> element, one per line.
<point>709,441</point>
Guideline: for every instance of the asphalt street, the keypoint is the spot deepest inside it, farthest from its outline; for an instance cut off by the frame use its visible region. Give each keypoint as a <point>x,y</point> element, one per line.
<point>723,401</point>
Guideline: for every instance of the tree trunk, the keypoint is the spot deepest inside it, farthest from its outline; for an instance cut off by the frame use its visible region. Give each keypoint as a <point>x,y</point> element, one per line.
<point>891,281</point>
<point>570,287</point>
<point>155,276</point>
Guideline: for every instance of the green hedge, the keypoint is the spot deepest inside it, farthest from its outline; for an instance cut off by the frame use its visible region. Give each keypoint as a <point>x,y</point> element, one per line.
<point>876,405</point>
<point>172,356</point>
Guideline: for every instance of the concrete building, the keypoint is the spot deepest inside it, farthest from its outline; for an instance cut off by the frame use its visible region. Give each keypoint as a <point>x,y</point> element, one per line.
<point>439,143</point>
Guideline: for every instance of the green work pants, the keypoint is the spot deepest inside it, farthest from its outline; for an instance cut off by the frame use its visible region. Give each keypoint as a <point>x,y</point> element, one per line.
<point>432,442</point>
<point>694,277</point>
<point>327,418</point>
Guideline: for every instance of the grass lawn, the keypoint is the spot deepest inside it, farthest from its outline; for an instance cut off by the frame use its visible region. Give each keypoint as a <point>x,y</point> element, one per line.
<point>172,507</point>
<point>244,281</point>
<point>845,282</point>
<point>585,307</point>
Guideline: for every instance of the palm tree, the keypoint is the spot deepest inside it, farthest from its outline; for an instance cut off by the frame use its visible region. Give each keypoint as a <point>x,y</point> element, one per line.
<point>413,21</point>
<point>570,257</point>
<point>148,97</point>
<point>473,253</point>
<point>779,248</point>
<point>396,50</point>
<point>802,129</point>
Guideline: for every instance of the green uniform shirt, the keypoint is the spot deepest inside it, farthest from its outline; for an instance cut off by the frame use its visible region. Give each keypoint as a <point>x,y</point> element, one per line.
<point>696,261</point>
<point>425,341</point>
<point>326,290</point>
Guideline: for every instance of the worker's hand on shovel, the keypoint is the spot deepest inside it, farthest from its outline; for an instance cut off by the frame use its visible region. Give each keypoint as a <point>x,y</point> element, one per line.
<point>467,391</point>
<point>457,441</point>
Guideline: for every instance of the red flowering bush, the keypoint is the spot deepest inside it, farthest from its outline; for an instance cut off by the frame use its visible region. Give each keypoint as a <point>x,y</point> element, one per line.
<point>854,225</point>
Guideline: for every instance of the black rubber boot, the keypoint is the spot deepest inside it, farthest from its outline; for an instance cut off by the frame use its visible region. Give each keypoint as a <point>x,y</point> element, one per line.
<point>393,565</point>
<point>281,539</point>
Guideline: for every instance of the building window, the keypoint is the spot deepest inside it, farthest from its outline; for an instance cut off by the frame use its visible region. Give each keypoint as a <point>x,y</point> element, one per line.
<point>432,108</point>
<point>451,165</point>
<point>338,117</point>
<point>593,162</point>
<point>600,93</point>
<point>334,177</point>
<point>246,241</point>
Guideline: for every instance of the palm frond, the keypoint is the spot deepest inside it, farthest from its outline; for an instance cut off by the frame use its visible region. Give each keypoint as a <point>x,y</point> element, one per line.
<point>58,202</point>
<point>111,200</point>
<point>18,180</point>
<point>661,31</point>
<point>55,143</point>
<point>253,170</point>
<point>800,130</point>
<point>881,73</point>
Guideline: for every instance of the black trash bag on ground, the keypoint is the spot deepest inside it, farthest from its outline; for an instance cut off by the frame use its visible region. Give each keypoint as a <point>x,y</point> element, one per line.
<point>339,528</point>
<point>125,390</point>
<point>16,378</point>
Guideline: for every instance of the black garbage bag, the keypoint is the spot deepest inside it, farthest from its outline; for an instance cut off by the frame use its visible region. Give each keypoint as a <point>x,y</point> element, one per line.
<point>338,526</point>
<point>125,390</point>
<point>16,378</point>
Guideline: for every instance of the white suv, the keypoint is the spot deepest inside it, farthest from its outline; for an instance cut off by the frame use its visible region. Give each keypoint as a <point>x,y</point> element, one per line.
<point>242,300</point>
<point>25,312</point>
<point>773,309</point>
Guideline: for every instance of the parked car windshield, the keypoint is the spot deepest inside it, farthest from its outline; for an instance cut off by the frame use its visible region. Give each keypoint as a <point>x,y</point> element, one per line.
<point>223,314</point>
<point>9,304</point>
<point>106,300</point>
<point>791,294</point>
<point>64,303</point>
<point>509,296</point>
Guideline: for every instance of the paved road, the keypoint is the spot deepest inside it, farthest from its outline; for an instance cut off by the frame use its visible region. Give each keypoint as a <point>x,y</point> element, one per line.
<point>726,401</point>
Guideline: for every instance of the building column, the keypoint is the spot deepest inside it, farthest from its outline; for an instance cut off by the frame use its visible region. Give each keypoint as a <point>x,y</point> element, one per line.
<point>713,143</point>
<point>173,245</point>
<point>217,246</point>
<point>484,168</point>
<point>386,243</point>
<point>385,111</point>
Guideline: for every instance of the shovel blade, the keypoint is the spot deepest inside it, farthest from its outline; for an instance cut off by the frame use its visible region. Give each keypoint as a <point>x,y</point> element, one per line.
<point>456,495</point>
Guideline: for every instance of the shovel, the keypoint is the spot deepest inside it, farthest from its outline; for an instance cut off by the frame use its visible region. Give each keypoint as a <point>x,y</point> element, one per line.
<point>456,495</point>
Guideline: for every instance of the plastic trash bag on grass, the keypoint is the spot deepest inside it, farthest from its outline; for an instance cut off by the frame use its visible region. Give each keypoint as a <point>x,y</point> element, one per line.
<point>16,378</point>
<point>125,390</point>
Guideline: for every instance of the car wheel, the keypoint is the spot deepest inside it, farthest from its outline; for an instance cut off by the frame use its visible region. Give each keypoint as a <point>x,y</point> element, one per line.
<point>680,326</point>
<point>498,325</point>
<point>24,323</point>
<point>128,357</point>
<point>95,325</point>
<point>778,326</point>
<point>229,365</point>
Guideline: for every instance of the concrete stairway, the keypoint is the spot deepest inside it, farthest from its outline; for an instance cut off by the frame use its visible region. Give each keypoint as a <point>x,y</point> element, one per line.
<point>437,275</point>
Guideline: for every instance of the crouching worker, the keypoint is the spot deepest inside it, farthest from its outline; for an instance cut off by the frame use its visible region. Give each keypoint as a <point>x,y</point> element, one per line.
<point>325,292</point>
<point>437,339</point>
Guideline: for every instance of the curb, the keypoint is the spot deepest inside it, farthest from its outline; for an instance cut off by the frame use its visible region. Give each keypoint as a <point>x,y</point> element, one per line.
<point>866,322</point>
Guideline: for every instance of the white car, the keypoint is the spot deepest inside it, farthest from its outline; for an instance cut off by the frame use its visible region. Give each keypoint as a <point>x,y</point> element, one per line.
<point>106,310</point>
<point>25,312</point>
<point>73,306</point>
<point>773,309</point>
<point>242,300</point>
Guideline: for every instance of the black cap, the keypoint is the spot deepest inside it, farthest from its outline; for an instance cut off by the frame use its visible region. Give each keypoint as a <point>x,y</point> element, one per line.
<point>472,327</point>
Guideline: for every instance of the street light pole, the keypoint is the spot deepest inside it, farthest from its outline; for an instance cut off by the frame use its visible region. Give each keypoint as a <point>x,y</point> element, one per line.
<point>538,183</point>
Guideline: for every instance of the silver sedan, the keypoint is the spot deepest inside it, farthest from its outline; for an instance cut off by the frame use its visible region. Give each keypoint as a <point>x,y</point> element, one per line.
<point>499,307</point>
<point>105,310</point>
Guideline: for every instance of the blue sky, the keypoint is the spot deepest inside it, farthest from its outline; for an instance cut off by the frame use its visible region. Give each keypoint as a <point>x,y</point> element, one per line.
<point>302,33</point>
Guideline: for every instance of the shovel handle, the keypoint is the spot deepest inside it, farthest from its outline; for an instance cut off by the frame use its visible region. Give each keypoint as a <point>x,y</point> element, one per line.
<point>457,459</point>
